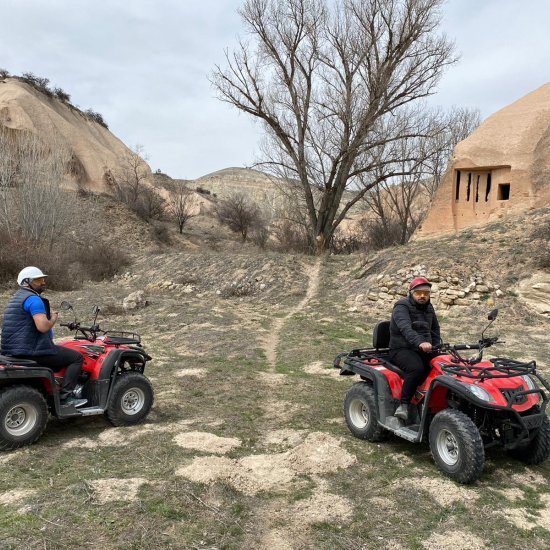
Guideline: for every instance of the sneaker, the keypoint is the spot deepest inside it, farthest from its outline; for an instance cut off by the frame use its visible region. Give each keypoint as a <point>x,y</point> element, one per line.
<point>402,412</point>
<point>73,402</point>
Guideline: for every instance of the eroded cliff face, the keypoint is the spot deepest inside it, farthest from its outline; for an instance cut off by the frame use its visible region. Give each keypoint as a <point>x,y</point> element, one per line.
<point>95,150</point>
<point>501,168</point>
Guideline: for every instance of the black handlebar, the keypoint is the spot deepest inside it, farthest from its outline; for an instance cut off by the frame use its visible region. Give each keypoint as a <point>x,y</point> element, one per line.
<point>460,347</point>
<point>88,332</point>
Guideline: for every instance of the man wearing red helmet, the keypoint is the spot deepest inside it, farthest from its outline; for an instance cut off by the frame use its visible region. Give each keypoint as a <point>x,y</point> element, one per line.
<point>414,330</point>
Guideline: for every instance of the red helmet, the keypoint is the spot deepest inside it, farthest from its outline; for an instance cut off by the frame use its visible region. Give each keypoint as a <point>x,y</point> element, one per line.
<point>419,281</point>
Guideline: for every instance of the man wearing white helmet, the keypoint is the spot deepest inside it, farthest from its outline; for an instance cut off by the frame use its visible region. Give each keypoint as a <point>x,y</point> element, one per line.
<point>27,333</point>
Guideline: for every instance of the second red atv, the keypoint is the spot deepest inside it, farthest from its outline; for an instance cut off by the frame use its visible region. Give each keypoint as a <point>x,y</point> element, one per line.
<point>465,405</point>
<point>112,382</point>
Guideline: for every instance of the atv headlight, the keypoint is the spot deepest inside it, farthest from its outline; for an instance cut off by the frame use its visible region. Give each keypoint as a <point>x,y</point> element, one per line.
<point>529,382</point>
<point>479,392</point>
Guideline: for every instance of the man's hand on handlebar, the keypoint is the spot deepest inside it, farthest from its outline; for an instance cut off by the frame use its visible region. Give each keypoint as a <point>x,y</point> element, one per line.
<point>426,347</point>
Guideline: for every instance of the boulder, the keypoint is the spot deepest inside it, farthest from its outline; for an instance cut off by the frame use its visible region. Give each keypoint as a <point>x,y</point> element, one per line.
<point>535,292</point>
<point>136,300</point>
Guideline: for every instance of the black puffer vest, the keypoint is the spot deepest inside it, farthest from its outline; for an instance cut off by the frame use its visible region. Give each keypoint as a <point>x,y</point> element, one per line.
<point>19,333</point>
<point>413,323</point>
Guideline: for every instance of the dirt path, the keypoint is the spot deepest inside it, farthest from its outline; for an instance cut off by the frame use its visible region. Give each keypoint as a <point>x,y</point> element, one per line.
<point>272,340</point>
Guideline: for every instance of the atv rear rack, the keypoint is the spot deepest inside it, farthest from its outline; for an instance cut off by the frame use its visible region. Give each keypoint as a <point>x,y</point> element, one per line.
<point>121,337</point>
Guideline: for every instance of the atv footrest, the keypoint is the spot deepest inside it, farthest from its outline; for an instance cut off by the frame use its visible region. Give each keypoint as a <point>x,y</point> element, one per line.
<point>91,410</point>
<point>410,433</point>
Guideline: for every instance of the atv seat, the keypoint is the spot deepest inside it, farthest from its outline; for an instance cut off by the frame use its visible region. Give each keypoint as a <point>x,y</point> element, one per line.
<point>9,360</point>
<point>381,341</point>
<point>381,335</point>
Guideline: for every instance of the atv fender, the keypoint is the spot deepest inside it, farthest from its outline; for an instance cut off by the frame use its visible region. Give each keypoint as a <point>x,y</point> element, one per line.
<point>384,400</point>
<point>36,376</point>
<point>98,391</point>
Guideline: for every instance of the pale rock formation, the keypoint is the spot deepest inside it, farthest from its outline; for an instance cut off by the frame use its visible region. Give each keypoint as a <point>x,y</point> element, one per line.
<point>535,291</point>
<point>96,151</point>
<point>503,167</point>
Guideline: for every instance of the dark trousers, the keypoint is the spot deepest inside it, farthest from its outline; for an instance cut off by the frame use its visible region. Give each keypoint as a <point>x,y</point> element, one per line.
<point>415,365</point>
<point>64,357</point>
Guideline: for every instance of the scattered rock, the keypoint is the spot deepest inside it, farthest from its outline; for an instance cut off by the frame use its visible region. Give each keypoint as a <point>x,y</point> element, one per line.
<point>136,300</point>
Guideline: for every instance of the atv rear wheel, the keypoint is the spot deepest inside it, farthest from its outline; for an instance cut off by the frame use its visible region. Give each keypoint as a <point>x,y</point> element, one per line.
<point>131,399</point>
<point>361,413</point>
<point>538,449</point>
<point>23,416</point>
<point>456,446</point>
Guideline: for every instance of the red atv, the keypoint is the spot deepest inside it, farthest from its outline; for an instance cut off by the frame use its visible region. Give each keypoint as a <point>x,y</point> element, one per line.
<point>465,405</point>
<point>111,380</point>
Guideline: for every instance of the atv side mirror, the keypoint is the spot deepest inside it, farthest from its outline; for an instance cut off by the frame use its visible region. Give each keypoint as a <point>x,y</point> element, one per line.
<point>64,306</point>
<point>493,315</point>
<point>95,313</point>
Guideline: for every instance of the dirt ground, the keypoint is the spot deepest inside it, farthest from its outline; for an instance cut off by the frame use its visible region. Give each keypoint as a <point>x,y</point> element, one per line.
<point>246,446</point>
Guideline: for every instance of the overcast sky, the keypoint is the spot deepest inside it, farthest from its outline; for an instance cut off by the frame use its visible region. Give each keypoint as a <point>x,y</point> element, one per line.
<point>144,65</point>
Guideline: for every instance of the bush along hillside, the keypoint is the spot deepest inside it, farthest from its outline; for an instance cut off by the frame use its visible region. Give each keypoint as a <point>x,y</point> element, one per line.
<point>43,86</point>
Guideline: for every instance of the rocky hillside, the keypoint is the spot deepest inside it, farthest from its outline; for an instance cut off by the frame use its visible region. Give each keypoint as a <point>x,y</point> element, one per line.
<point>95,150</point>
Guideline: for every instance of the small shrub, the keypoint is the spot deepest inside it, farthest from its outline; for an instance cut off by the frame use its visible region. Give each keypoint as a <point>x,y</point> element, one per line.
<point>62,95</point>
<point>240,214</point>
<point>4,73</point>
<point>160,233</point>
<point>260,236</point>
<point>96,117</point>
<point>381,235</point>
<point>101,260</point>
<point>292,237</point>
<point>38,83</point>
<point>344,243</point>
<point>149,204</point>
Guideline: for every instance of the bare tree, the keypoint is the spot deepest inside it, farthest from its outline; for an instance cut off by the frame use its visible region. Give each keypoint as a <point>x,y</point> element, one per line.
<point>180,205</point>
<point>131,176</point>
<point>333,83</point>
<point>33,204</point>
<point>239,214</point>
<point>131,183</point>
<point>455,126</point>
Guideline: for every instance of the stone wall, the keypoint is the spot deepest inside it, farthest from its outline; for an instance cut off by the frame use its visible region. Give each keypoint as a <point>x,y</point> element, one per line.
<point>448,289</point>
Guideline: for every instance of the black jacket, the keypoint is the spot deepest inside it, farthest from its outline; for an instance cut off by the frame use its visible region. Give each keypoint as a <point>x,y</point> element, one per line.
<point>412,323</point>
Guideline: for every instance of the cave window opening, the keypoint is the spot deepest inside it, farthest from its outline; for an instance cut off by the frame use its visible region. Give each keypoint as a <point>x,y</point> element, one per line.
<point>503,192</point>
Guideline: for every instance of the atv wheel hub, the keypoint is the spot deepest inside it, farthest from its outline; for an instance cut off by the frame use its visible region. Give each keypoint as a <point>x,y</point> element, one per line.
<point>359,413</point>
<point>447,447</point>
<point>20,419</point>
<point>133,401</point>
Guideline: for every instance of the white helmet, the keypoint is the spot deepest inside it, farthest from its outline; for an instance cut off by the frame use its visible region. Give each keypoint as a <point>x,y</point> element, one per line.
<point>30,273</point>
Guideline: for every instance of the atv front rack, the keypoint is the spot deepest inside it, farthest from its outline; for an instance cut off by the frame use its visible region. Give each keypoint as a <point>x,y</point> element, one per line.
<point>503,368</point>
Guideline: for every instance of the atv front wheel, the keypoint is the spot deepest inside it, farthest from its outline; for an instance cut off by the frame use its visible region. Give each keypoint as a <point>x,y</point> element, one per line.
<point>131,399</point>
<point>361,413</point>
<point>456,446</point>
<point>23,416</point>
<point>538,449</point>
